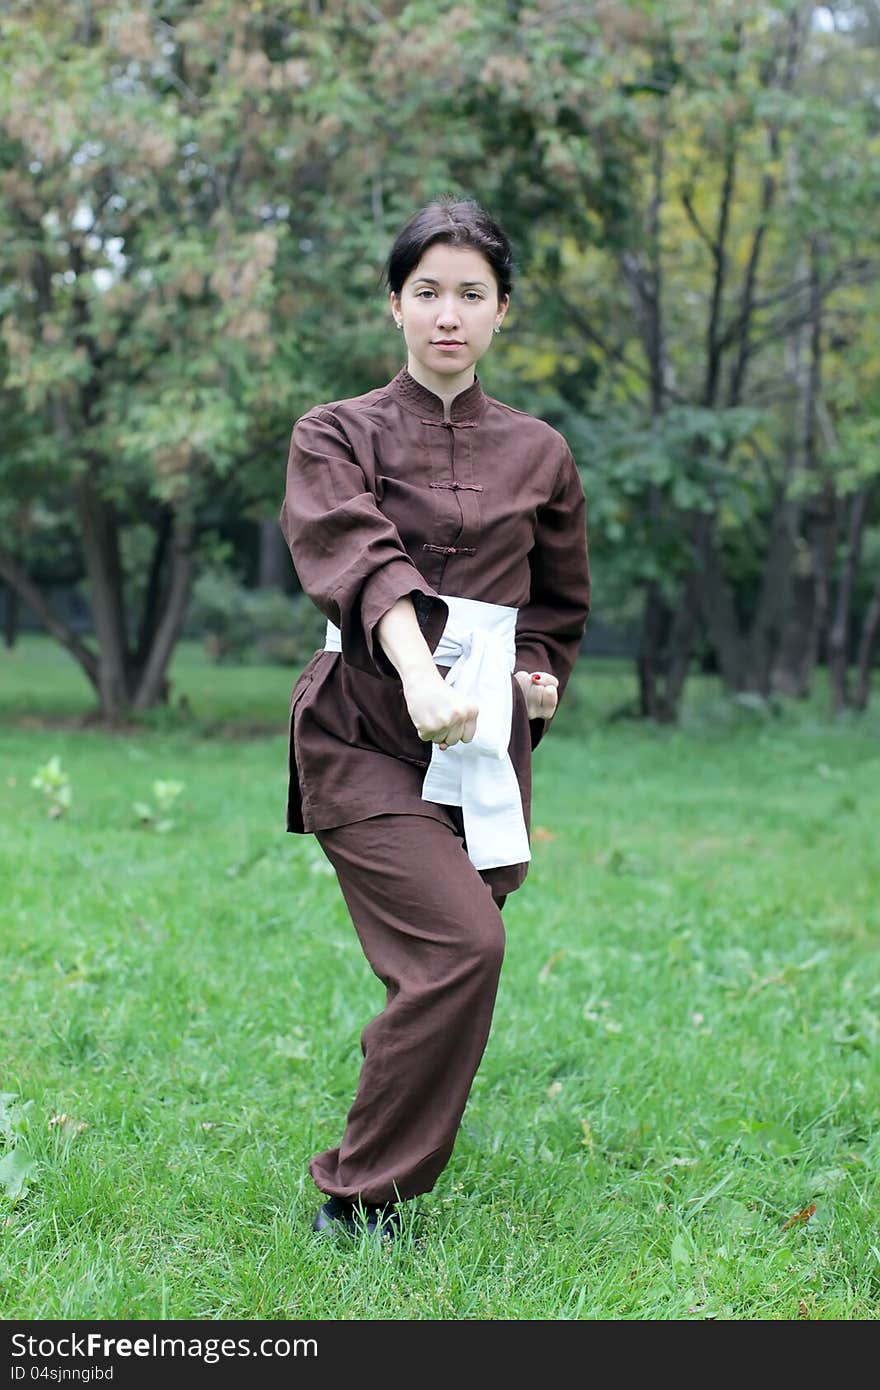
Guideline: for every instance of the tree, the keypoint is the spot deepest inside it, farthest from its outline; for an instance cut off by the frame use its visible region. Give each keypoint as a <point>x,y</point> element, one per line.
<point>197,201</point>
<point>689,188</point>
<point>140,229</point>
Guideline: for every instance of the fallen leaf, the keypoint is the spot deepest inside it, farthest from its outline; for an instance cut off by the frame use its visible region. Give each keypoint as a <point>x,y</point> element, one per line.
<point>800,1218</point>
<point>67,1124</point>
<point>541,833</point>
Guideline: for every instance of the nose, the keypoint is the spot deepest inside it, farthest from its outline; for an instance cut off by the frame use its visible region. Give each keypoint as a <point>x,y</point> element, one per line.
<point>447,314</point>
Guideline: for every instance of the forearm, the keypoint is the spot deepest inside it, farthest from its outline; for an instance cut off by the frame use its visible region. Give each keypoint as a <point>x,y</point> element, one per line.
<point>402,641</point>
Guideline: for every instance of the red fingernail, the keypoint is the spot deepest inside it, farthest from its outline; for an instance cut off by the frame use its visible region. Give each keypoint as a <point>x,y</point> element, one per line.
<point>536,678</point>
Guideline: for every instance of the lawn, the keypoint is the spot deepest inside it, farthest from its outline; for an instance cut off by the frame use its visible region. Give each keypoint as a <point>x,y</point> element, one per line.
<point>677,1113</point>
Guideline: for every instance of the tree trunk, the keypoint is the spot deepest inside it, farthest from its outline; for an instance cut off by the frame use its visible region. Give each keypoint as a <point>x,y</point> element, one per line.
<point>101,553</point>
<point>867,643</point>
<point>823,538</point>
<point>274,567</point>
<point>152,686</point>
<point>774,594</point>
<point>715,599</point>
<point>665,651</point>
<point>838,637</point>
<point>667,636</point>
<point>807,614</point>
<point>11,616</point>
<point>744,658</point>
<point>797,654</point>
<point>654,622</point>
<point>124,679</point>
<point>154,590</point>
<point>25,587</point>
<point>681,643</point>
<point>119,684</point>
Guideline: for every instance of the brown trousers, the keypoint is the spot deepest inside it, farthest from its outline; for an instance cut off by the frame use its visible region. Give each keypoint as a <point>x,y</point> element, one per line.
<point>432,933</point>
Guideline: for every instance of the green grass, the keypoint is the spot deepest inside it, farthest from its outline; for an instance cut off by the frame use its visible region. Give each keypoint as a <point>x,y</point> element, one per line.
<point>683,1057</point>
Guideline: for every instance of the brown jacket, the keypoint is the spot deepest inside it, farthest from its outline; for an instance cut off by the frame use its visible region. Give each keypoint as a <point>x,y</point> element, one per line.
<point>384,498</point>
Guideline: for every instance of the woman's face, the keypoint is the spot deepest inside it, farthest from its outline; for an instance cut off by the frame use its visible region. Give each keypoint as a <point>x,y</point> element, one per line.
<point>449,308</point>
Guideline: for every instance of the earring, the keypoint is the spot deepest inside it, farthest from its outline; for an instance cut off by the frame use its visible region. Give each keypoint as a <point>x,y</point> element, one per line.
<point>498,329</point>
<point>397,323</point>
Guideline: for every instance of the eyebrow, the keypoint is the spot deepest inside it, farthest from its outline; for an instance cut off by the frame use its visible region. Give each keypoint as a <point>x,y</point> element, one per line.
<point>464,284</point>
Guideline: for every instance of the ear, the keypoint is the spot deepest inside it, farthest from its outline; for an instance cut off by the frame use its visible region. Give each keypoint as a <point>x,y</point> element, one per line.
<point>394,301</point>
<point>503,306</point>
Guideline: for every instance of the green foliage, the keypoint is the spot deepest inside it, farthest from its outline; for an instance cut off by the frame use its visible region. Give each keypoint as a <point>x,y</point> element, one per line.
<point>197,202</point>
<point>290,630</point>
<point>16,1165</point>
<point>53,783</point>
<point>241,623</point>
<point>219,609</point>
<point>15,1169</point>
<point>642,477</point>
<point>157,818</point>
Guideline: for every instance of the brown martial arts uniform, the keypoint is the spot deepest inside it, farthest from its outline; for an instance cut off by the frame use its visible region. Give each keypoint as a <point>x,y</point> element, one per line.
<point>385,497</point>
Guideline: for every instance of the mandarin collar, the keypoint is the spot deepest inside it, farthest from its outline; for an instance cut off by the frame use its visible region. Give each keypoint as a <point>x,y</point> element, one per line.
<point>466,409</point>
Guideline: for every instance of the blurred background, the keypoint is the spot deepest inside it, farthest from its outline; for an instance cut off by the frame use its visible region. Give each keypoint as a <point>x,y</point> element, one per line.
<point>197,200</point>
<point>678,1115</point>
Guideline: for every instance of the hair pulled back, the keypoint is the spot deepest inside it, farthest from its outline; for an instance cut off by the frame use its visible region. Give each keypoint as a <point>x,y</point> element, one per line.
<point>457,222</point>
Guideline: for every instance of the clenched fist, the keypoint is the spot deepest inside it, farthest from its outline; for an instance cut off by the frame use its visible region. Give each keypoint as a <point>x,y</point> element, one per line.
<point>439,712</point>
<point>539,688</point>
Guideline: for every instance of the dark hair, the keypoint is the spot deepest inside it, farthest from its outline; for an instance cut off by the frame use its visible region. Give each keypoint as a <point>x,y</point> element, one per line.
<point>457,222</point>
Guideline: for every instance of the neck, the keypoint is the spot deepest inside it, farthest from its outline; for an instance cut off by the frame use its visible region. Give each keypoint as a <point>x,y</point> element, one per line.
<point>446,387</point>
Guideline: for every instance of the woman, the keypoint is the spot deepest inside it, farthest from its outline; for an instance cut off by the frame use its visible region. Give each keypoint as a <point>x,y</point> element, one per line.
<point>442,535</point>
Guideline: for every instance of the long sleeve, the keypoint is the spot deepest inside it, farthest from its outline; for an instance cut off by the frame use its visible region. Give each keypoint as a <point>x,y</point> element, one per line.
<point>550,627</point>
<point>349,558</point>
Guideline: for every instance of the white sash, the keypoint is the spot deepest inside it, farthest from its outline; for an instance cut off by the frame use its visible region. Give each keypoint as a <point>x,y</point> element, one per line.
<point>479,644</point>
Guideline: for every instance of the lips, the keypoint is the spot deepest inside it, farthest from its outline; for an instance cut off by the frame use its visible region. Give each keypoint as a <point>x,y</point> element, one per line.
<point>448,342</point>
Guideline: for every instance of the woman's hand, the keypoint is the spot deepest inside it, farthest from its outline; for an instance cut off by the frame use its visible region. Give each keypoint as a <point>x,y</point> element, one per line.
<point>539,688</point>
<point>440,714</point>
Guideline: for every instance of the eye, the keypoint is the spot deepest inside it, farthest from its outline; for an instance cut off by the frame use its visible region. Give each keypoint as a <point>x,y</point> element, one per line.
<point>420,293</point>
<point>473,295</point>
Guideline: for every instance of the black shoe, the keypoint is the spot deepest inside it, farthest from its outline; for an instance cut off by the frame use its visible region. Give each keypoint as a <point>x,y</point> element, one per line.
<point>339,1214</point>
